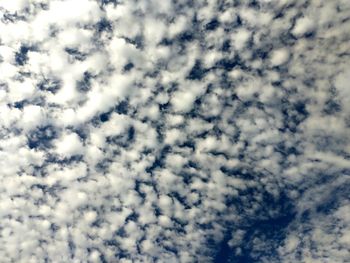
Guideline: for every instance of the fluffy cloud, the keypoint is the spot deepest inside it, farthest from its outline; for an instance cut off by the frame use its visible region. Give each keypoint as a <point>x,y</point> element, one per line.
<point>68,145</point>
<point>174,131</point>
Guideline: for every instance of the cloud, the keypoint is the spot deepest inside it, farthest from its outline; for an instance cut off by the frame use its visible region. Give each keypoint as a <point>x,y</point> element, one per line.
<point>279,57</point>
<point>302,26</point>
<point>174,131</point>
<point>69,145</point>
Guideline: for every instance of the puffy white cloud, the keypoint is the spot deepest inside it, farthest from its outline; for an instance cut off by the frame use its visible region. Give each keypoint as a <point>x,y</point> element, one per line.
<point>302,26</point>
<point>72,11</point>
<point>240,38</point>
<point>174,131</point>
<point>183,101</point>
<point>33,116</point>
<point>69,144</point>
<point>341,83</point>
<point>13,6</point>
<point>279,57</point>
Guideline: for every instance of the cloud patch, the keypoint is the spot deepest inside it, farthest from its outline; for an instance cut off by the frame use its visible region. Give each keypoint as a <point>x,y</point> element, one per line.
<point>174,131</point>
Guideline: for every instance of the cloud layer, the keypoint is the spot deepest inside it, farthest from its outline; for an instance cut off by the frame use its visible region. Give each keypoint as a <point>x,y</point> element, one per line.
<point>174,131</point>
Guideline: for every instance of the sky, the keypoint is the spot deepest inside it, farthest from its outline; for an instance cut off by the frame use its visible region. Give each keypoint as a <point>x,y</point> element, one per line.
<point>174,131</point>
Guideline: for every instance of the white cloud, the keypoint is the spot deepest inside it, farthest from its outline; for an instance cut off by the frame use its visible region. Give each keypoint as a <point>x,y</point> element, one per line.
<point>13,6</point>
<point>32,117</point>
<point>183,101</point>
<point>302,26</point>
<point>178,26</point>
<point>69,144</point>
<point>148,162</point>
<point>240,38</point>
<point>279,57</point>
<point>72,11</point>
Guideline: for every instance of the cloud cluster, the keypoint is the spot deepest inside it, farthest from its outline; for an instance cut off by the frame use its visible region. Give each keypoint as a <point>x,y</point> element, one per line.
<point>174,131</point>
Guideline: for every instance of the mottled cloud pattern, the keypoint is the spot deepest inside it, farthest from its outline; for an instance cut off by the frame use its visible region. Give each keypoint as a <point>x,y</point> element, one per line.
<point>174,131</point>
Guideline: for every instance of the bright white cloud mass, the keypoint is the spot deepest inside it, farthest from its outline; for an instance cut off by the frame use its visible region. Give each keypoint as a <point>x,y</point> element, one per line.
<point>174,131</point>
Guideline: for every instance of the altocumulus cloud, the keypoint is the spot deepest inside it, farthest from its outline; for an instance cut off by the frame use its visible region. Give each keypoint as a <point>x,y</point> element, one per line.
<point>174,131</point>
